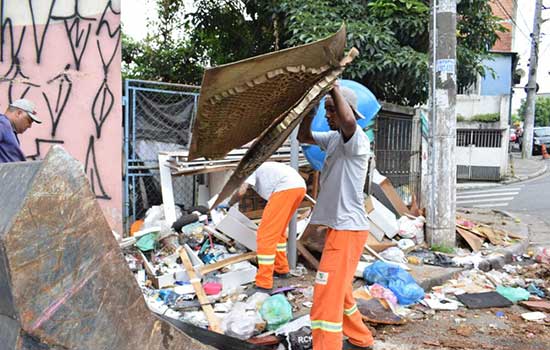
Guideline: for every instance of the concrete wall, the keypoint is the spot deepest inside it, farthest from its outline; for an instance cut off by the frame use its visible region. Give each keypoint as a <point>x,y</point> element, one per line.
<point>65,56</point>
<point>502,82</point>
<point>468,106</point>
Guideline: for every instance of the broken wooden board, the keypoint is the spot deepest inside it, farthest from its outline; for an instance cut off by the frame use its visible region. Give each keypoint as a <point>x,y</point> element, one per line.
<point>308,257</point>
<point>377,311</point>
<point>473,241</point>
<point>64,283</point>
<point>223,263</point>
<point>274,136</point>
<point>537,305</point>
<point>238,101</point>
<point>213,321</point>
<point>384,191</point>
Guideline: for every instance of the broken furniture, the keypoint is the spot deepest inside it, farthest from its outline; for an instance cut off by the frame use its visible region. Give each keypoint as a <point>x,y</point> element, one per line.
<point>63,280</point>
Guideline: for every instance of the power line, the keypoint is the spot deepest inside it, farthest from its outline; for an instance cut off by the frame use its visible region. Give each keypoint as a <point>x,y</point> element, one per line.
<point>528,37</point>
<point>520,14</point>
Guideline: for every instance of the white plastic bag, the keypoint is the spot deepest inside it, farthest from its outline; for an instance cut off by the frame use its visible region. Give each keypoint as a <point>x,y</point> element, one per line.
<point>412,228</point>
<point>239,323</point>
<point>394,254</point>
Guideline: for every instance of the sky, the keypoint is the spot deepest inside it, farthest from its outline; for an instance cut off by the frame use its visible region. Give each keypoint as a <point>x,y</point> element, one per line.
<point>136,14</point>
<point>522,45</point>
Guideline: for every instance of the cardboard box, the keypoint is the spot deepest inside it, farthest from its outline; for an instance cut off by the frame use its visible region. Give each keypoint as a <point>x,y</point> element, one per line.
<point>384,191</point>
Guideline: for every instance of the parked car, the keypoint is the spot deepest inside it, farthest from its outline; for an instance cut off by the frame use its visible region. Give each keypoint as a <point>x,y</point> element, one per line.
<point>541,136</point>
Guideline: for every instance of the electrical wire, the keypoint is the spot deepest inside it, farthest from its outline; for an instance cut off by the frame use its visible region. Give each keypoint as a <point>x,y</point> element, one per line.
<point>528,37</point>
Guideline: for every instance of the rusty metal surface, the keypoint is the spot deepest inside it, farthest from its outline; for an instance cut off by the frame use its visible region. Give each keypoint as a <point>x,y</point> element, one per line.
<point>70,285</point>
<point>273,137</point>
<point>240,100</point>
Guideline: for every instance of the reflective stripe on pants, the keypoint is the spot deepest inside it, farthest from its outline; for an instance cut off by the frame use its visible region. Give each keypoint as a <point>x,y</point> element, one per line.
<point>334,309</point>
<point>271,237</point>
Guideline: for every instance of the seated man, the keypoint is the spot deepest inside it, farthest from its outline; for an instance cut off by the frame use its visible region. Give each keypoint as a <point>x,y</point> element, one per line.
<point>18,117</point>
<point>284,189</point>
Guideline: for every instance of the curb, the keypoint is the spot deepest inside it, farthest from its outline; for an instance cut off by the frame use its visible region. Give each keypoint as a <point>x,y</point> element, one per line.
<point>526,177</point>
<point>505,182</point>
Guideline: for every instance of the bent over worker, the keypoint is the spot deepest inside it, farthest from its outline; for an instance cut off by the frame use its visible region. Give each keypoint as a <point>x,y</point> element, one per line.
<point>340,207</point>
<point>284,189</point>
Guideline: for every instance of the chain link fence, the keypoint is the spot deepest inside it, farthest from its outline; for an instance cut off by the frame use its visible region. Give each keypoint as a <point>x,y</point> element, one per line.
<point>158,117</point>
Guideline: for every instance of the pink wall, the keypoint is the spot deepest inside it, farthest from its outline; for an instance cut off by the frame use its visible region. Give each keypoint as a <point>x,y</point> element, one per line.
<point>56,61</point>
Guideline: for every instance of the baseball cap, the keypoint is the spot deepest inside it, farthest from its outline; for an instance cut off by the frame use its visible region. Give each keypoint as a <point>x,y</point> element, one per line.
<point>351,97</point>
<point>27,106</point>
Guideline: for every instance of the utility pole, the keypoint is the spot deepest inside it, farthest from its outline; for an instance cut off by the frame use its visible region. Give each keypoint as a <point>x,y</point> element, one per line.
<point>441,204</point>
<point>529,123</point>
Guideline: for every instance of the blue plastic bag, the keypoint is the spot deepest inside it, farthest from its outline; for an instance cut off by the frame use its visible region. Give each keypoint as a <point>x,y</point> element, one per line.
<point>399,281</point>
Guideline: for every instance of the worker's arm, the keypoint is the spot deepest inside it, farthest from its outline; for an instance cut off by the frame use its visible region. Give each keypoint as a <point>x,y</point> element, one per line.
<point>347,121</point>
<point>238,194</point>
<point>304,132</point>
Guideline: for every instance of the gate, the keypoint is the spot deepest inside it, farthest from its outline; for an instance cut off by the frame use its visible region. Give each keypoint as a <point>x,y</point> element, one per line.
<point>397,149</point>
<point>157,117</point>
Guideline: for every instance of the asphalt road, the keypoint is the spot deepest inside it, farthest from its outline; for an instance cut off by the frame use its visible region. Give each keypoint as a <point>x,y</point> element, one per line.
<point>534,197</point>
<point>528,201</point>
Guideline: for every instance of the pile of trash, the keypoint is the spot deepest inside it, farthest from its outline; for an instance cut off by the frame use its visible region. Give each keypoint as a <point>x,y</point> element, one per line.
<point>525,284</point>
<point>213,292</point>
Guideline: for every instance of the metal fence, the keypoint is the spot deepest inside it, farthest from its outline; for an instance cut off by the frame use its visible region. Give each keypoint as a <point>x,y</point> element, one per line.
<point>157,117</point>
<point>397,149</point>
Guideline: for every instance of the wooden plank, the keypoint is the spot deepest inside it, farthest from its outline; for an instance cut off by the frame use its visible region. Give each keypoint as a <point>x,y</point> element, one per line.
<point>308,257</point>
<point>201,295</point>
<point>223,263</point>
<point>473,241</point>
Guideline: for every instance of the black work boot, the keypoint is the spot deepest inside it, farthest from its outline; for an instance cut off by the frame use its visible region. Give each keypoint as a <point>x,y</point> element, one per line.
<point>349,346</point>
<point>256,289</point>
<point>281,275</point>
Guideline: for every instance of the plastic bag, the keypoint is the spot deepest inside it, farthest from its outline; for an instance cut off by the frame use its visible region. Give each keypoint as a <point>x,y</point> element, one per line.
<point>394,254</point>
<point>276,311</point>
<point>240,324</point>
<point>513,294</point>
<point>542,255</point>
<point>378,291</point>
<point>399,281</point>
<point>412,228</point>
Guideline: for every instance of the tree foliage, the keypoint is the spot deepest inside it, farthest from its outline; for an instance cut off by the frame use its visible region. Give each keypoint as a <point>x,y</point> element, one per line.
<point>542,111</point>
<point>391,35</point>
<point>165,54</point>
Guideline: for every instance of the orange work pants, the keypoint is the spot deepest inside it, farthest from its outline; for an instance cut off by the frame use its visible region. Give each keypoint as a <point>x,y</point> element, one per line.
<point>334,309</point>
<point>271,236</point>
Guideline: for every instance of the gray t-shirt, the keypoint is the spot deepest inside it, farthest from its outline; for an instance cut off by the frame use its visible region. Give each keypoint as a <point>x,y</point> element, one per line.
<point>341,203</point>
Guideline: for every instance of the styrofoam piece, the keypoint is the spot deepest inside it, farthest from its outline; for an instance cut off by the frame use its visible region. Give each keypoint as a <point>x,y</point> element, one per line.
<point>382,217</point>
<point>376,231</point>
<point>234,279</point>
<point>240,228</point>
<point>361,266</point>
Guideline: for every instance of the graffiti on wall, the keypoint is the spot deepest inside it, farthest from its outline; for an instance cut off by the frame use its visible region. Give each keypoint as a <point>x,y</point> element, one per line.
<point>63,56</point>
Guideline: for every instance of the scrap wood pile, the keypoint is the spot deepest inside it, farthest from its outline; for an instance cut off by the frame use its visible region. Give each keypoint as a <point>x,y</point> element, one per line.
<point>477,234</point>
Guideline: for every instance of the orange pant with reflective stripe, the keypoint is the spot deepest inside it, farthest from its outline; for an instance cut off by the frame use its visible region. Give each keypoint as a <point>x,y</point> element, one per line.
<point>271,236</point>
<point>334,309</point>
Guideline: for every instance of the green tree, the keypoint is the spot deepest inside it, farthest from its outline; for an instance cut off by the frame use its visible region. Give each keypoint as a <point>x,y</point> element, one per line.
<point>392,36</point>
<point>165,54</point>
<point>542,111</point>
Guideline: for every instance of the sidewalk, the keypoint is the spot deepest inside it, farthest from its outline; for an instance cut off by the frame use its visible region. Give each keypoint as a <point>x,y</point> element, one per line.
<point>518,170</point>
